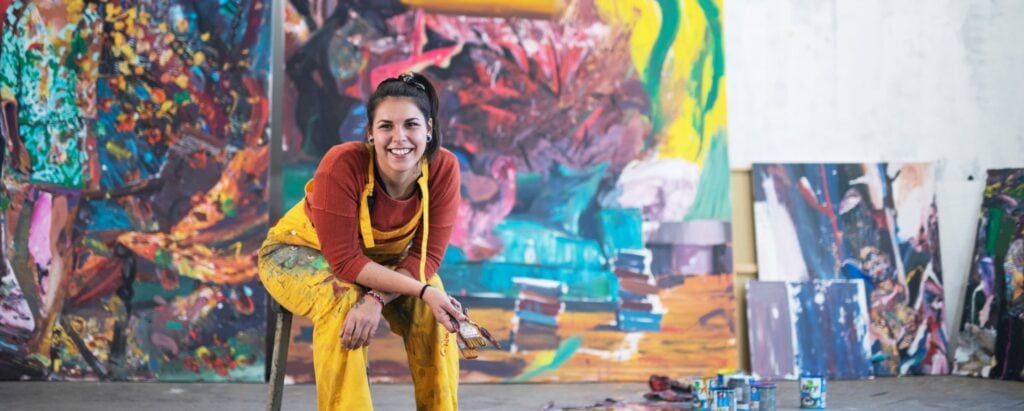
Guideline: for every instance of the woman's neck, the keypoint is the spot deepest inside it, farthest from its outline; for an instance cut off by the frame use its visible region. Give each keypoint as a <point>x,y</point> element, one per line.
<point>399,186</point>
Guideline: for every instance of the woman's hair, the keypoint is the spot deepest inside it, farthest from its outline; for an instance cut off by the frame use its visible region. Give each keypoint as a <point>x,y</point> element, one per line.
<point>416,87</point>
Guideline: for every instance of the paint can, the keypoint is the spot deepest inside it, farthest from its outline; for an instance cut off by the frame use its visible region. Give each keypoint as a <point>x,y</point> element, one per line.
<point>723,399</point>
<point>812,391</point>
<point>742,386</point>
<point>762,397</point>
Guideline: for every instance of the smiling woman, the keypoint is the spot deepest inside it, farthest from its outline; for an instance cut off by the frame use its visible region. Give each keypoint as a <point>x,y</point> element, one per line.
<point>373,215</point>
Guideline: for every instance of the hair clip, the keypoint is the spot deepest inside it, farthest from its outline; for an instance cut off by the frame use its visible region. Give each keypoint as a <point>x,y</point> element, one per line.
<point>409,79</point>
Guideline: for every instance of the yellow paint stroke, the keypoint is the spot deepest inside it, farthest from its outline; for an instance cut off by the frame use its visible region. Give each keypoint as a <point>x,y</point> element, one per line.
<point>550,9</point>
<point>640,18</point>
<point>678,98</point>
<point>117,151</point>
<point>543,358</point>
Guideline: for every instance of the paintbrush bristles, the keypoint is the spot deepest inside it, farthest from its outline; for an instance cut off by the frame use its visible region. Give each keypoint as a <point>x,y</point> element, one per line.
<point>472,336</point>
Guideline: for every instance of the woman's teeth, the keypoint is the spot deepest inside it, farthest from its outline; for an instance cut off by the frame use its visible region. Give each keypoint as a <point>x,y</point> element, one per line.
<point>400,151</point>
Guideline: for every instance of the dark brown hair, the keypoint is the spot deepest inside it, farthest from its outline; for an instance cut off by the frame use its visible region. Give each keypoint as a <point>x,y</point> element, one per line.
<point>416,87</point>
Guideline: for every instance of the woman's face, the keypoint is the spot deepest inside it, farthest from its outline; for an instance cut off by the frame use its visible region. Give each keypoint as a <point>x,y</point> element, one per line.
<point>399,133</point>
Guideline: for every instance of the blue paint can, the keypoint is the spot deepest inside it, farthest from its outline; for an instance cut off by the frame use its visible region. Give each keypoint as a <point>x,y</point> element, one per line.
<point>762,397</point>
<point>812,391</point>
<point>723,399</point>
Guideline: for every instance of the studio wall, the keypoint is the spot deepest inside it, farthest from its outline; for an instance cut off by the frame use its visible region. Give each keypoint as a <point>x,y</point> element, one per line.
<point>881,81</point>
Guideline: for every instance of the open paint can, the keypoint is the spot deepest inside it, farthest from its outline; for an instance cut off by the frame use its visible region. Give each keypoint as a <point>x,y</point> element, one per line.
<point>762,397</point>
<point>812,391</point>
<point>723,399</point>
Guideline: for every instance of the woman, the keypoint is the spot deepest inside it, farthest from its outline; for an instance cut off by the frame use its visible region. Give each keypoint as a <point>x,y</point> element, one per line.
<point>366,241</point>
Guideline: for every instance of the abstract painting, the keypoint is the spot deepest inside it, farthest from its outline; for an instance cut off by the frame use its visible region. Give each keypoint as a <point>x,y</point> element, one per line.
<point>872,222</point>
<point>991,342</point>
<point>134,190</point>
<point>593,239</point>
<point>817,327</point>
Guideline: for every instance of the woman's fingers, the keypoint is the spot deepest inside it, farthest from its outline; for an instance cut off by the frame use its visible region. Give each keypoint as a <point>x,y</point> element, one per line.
<point>361,339</point>
<point>456,312</point>
<point>347,331</point>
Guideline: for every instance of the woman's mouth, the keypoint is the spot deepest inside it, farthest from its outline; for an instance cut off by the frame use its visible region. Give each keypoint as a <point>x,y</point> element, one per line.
<point>400,151</point>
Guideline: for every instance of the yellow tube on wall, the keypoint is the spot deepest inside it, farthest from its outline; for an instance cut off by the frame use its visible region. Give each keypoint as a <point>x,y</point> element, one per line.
<point>491,8</point>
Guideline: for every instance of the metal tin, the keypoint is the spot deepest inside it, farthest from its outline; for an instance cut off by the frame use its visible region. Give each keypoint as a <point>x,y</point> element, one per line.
<point>722,399</point>
<point>742,386</point>
<point>762,397</point>
<point>812,391</point>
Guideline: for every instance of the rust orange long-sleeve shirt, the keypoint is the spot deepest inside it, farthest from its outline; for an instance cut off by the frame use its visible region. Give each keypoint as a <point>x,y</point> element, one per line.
<point>333,208</point>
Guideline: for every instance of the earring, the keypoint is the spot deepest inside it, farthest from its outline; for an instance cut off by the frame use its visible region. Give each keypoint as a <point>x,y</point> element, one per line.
<point>429,138</point>
<point>370,140</point>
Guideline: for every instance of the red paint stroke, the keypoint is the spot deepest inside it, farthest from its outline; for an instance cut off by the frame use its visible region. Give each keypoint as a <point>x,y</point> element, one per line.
<point>593,118</point>
<point>418,59</point>
<point>4,4</point>
<point>826,209</point>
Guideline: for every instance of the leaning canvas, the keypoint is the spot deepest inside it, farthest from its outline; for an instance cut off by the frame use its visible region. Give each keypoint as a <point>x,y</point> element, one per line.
<point>991,342</point>
<point>874,222</point>
<point>817,327</point>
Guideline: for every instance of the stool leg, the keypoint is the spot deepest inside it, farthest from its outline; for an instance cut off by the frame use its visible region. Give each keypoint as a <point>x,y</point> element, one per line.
<point>282,336</point>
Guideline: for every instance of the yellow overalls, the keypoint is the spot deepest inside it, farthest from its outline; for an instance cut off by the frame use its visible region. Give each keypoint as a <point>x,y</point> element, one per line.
<point>295,273</point>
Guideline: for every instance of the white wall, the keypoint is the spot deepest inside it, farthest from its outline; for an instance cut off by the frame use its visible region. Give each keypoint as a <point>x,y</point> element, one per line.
<point>883,80</point>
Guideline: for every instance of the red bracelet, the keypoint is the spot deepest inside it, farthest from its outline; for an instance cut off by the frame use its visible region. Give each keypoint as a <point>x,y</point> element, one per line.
<point>376,296</point>
<point>423,290</point>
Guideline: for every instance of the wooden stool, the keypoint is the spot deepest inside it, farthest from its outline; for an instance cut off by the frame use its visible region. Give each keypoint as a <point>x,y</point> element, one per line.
<point>279,354</point>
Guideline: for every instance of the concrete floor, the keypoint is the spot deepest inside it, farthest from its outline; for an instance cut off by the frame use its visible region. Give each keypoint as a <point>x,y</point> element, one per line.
<point>908,393</point>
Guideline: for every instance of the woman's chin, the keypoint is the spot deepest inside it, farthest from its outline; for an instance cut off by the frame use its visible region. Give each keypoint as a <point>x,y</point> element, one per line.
<point>402,165</point>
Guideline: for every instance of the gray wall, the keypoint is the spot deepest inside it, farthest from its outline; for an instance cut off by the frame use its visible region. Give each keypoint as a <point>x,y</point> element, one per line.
<point>877,80</point>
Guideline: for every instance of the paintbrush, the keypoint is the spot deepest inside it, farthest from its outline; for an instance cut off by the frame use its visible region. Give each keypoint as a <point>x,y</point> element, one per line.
<point>472,336</point>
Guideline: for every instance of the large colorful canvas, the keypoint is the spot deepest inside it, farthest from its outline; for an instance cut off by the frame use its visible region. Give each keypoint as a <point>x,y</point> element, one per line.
<point>593,238</point>
<point>872,222</point>
<point>992,328</point>
<point>134,189</point>
<point>817,327</point>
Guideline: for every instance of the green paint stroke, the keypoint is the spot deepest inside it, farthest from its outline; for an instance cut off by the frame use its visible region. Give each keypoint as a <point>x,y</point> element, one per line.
<point>227,206</point>
<point>995,217</point>
<point>713,16</point>
<point>694,88</point>
<point>713,49</point>
<point>670,16</point>
<point>564,352</point>
<point>712,202</point>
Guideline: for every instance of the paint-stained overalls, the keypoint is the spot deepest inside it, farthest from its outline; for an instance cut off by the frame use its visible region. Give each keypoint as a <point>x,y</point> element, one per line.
<point>295,273</point>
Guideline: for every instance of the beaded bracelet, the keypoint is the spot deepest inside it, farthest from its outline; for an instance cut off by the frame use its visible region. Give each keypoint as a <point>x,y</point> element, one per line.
<point>375,295</point>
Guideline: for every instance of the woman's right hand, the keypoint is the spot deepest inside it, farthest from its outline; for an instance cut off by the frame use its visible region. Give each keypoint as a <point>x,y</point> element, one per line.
<point>444,309</point>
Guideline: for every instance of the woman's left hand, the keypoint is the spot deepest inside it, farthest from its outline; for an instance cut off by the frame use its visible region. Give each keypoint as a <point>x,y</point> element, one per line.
<point>360,323</point>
